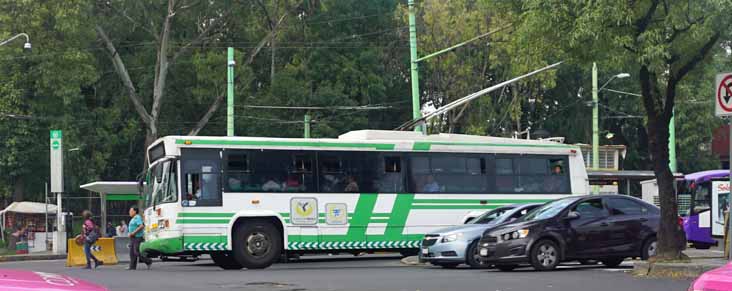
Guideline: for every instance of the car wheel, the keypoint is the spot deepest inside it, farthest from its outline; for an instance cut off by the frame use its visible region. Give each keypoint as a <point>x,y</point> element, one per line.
<point>226,261</point>
<point>650,247</point>
<point>257,244</point>
<point>544,255</point>
<point>588,262</point>
<point>612,262</point>
<point>447,265</point>
<point>472,257</point>
<point>506,268</point>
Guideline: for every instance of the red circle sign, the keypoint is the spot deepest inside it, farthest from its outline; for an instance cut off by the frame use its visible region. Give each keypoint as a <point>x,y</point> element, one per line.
<point>724,87</point>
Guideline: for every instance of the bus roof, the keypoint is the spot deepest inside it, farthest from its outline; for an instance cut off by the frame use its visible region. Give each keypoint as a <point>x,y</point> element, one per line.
<point>704,176</point>
<point>380,140</point>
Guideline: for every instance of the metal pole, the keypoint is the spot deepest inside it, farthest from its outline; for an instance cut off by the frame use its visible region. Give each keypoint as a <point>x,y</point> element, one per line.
<point>45,226</point>
<point>414,66</point>
<point>729,194</point>
<point>307,126</point>
<point>672,143</point>
<point>230,92</point>
<point>595,125</point>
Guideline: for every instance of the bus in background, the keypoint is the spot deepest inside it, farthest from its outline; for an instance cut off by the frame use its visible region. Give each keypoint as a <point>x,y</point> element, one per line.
<point>246,200</point>
<point>709,192</point>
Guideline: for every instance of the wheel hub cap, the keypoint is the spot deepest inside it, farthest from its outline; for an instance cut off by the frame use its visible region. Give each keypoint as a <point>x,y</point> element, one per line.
<point>258,244</point>
<point>547,255</point>
<point>652,249</point>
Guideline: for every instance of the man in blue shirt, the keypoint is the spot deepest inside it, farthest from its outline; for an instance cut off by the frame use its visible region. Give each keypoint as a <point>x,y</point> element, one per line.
<point>137,230</point>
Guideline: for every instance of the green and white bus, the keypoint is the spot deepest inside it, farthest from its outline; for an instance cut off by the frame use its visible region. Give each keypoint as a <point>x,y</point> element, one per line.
<point>246,200</point>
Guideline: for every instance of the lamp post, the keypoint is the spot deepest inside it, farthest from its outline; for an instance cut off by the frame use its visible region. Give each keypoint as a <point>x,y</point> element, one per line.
<point>595,118</point>
<point>27,44</point>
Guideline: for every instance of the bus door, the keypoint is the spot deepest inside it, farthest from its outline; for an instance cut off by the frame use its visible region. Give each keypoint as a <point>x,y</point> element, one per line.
<point>698,226</point>
<point>201,199</point>
<point>720,204</point>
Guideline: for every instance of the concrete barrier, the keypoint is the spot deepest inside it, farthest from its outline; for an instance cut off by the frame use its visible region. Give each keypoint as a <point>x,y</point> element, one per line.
<point>121,246</point>
<point>103,250</point>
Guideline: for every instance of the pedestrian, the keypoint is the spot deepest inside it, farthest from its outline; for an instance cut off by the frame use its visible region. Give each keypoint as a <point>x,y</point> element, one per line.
<point>90,234</point>
<point>137,231</point>
<point>122,229</point>
<point>111,232</point>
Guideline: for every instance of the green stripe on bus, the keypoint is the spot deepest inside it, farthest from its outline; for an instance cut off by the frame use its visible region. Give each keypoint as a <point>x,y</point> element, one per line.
<point>203,221</point>
<point>478,201</point>
<point>427,145</point>
<point>376,146</point>
<point>398,218</point>
<point>204,214</point>
<point>362,215</point>
<point>204,238</point>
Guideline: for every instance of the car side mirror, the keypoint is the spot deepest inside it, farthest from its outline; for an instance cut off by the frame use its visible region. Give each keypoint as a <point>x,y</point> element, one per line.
<point>573,215</point>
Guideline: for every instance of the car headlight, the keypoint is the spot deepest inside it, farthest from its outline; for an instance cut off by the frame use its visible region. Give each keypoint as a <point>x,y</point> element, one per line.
<point>452,237</point>
<point>521,233</point>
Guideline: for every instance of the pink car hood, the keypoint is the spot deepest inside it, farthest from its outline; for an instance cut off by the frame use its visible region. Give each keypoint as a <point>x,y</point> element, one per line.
<point>717,279</point>
<point>19,280</point>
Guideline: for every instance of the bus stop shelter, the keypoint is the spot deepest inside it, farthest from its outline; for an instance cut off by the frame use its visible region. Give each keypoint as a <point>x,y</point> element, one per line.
<point>113,191</point>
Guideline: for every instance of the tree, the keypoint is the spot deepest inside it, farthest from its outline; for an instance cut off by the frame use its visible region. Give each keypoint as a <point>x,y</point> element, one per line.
<point>662,41</point>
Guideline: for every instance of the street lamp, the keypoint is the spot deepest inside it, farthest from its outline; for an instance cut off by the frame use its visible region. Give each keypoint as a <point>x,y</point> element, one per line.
<point>595,116</point>
<point>27,44</point>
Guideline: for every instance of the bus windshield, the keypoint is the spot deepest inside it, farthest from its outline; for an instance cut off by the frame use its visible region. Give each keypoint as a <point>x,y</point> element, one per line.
<point>161,183</point>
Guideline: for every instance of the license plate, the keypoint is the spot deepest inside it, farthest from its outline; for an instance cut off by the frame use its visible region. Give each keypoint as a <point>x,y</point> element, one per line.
<point>484,252</point>
<point>425,251</point>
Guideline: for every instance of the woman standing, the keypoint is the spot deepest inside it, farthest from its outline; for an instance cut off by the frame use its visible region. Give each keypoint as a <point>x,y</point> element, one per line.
<point>137,231</point>
<point>90,234</point>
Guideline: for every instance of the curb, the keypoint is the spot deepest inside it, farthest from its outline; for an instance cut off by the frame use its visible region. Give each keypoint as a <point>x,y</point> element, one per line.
<point>19,258</point>
<point>674,270</point>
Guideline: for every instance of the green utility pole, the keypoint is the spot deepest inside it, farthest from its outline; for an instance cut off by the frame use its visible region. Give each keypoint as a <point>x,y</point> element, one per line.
<point>230,93</point>
<point>595,126</point>
<point>595,121</point>
<point>307,126</point>
<point>672,143</point>
<point>416,113</point>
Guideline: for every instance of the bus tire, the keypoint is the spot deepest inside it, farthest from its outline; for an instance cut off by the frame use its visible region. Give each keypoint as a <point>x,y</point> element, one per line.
<point>226,261</point>
<point>257,244</point>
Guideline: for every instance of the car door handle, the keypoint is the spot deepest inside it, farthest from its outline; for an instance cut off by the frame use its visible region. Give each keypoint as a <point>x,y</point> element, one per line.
<point>643,219</point>
<point>604,224</point>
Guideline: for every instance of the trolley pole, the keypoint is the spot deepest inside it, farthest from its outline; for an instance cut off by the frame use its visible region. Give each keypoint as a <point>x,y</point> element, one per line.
<point>230,92</point>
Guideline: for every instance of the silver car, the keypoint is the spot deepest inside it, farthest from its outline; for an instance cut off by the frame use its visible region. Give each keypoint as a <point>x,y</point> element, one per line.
<point>452,246</point>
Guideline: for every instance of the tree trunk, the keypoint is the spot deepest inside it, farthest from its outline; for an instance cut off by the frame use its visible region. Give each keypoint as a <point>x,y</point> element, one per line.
<point>18,189</point>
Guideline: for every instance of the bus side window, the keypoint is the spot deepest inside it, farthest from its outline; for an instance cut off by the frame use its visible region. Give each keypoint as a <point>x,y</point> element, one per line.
<point>391,179</point>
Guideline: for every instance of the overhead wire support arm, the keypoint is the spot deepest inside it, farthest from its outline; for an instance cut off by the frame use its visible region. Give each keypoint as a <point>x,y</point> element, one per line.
<point>462,43</point>
<point>442,110</point>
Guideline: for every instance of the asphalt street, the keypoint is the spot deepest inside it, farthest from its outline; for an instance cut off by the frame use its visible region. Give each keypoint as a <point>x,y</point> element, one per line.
<point>353,273</point>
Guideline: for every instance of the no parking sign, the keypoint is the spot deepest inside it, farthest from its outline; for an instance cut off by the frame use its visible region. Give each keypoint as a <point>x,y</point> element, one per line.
<point>723,94</point>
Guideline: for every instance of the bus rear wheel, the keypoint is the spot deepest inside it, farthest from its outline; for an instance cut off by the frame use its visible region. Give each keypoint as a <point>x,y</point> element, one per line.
<point>257,244</point>
<point>226,261</point>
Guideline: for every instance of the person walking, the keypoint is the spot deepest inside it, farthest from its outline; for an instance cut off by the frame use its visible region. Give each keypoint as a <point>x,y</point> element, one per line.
<point>122,229</point>
<point>137,231</point>
<point>90,234</point>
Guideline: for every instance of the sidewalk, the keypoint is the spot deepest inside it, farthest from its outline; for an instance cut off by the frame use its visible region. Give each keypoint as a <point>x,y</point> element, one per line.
<point>32,257</point>
<point>701,261</point>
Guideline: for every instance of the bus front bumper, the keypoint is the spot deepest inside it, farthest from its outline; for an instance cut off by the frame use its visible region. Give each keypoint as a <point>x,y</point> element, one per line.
<point>162,246</point>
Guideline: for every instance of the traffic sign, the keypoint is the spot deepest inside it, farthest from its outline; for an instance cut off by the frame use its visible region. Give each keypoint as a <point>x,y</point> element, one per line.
<point>723,95</point>
<point>57,161</point>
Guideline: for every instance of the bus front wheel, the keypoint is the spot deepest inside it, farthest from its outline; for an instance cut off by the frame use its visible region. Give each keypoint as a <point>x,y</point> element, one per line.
<point>226,261</point>
<point>257,244</point>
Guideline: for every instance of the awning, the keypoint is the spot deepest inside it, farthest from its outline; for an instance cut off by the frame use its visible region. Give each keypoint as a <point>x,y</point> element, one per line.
<point>115,190</point>
<point>30,208</point>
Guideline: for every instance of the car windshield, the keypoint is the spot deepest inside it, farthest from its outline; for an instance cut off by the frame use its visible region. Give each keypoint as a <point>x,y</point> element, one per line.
<point>548,210</point>
<point>490,216</point>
